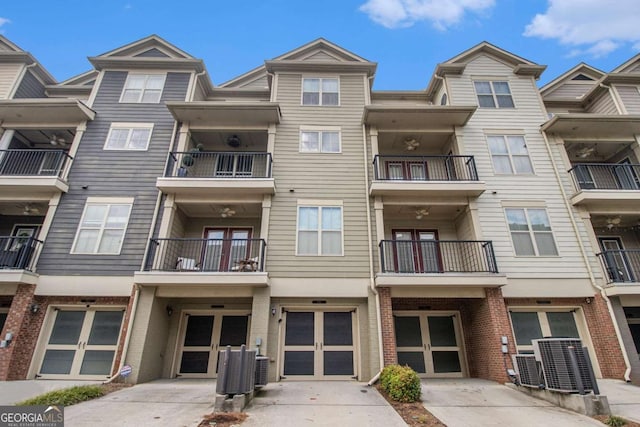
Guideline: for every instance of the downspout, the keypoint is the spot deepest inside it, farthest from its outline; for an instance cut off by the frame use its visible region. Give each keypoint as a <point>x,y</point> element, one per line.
<point>127,339</point>
<point>594,282</point>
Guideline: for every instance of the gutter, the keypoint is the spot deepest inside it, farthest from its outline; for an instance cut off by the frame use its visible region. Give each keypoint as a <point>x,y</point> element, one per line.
<point>592,279</point>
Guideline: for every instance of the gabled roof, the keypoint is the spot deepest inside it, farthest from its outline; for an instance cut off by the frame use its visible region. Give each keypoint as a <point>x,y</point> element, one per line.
<point>248,77</point>
<point>581,68</point>
<point>486,47</point>
<point>628,65</point>
<point>80,79</point>
<point>8,45</point>
<point>10,52</point>
<point>148,43</point>
<point>320,45</point>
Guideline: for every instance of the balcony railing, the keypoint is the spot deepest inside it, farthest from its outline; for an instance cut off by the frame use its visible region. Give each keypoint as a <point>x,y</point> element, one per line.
<point>425,168</point>
<point>210,255</point>
<point>18,252</point>
<point>33,162</point>
<point>606,176</point>
<point>202,164</point>
<point>437,256</point>
<point>621,266</point>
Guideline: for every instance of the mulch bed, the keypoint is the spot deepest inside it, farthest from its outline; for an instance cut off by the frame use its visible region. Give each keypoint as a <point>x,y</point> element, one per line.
<point>414,414</point>
<point>223,419</point>
<point>603,418</point>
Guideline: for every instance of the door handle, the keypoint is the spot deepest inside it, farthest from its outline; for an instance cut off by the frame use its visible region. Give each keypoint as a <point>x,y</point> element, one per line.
<point>316,346</point>
<point>320,346</point>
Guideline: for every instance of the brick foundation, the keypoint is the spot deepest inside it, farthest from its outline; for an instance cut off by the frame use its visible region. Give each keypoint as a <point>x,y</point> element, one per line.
<point>15,361</point>
<point>388,330</point>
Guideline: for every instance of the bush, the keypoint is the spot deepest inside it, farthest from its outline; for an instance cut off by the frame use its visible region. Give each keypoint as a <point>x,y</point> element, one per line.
<point>66,397</point>
<point>615,421</point>
<point>401,383</point>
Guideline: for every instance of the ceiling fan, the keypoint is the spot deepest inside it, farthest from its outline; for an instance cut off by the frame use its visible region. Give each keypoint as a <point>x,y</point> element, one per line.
<point>613,222</point>
<point>422,212</point>
<point>227,212</point>
<point>58,140</point>
<point>30,210</point>
<point>411,144</point>
<point>585,152</point>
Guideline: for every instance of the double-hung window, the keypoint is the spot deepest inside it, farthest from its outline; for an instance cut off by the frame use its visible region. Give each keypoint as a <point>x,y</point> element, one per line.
<point>102,226</point>
<point>531,232</point>
<point>129,136</point>
<point>143,88</point>
<point>319,141</point>
<point>319,230</point>
<point>493,94</point>
<point>317,91</point>
<point>509,154</point>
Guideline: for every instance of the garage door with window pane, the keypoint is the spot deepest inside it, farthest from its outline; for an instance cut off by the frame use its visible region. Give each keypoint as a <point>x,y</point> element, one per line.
<point>532,325</point>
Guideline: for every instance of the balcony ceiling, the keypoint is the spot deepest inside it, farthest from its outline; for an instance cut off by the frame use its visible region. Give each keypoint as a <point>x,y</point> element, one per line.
<point>417,117</point>
<point>214,211</point>
<point>208,114</point>
<point>43,111</point>
<point>593,126</point>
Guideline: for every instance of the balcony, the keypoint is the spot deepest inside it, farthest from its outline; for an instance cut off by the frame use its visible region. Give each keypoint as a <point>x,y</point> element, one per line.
<point>190,261</point>
<point>33,172</point>
<point>601,184</point>
<point>17,259</point>
<point>438,263</point>
<point>428,176</point>
<point>200,173</point>
<point>622,271</point>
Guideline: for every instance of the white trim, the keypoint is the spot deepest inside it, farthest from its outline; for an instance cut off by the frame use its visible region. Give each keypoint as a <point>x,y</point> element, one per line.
<point>319,230</point>
<point>320,104</point>
<point>129,127</point>
<point>531,232</point>
<point>112,200</point>
<point>509,155</point>
<point>147,75</point>
<point>320,131</point>
<point>101,229</point>
<point>318,202</point>
<point>491,81</point>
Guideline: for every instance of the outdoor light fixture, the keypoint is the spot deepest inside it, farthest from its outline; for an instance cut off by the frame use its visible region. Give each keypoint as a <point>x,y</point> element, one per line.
<point>169,310</point>
<point>7,340</point>
<point>233,141</point>
<point>34,308</point>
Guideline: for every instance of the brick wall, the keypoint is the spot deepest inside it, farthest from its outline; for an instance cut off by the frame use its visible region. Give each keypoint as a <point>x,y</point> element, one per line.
<point>600,325</point>
<point>14,364</point>
<point>388,331</point>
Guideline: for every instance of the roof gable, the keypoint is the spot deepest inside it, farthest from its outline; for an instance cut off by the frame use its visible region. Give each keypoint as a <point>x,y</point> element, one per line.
<point>488,48</point>
<point>320,50</point>
<point>254,79</point>
<point>7,46</point>
<point>152,45</point>
<point>573,77</point>
<point>631,66</point>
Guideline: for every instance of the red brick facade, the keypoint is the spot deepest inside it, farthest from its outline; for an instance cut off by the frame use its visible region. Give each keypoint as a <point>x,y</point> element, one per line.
<point>15,360</point>
<point>388,330</point>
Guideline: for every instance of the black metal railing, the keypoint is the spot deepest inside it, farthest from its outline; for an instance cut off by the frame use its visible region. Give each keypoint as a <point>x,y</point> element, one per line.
<point>621,266</point>
<point>33,162</point>
<point>425,168</point>
<point>222,255</point>
<point>18,252</point>
<point>606,176</point>
<point>437,256</point>
<point>216,164</point>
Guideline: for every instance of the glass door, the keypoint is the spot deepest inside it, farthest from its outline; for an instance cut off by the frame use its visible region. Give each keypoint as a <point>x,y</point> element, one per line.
<point>226,249</point>
<point>626,175</point>
<point>429,252</point>
<point>204,335</point>
<point>404,253</point>
<point>616,261</point>
<point>82,344</point>
<point>430,343</point>
<point>319,345</point>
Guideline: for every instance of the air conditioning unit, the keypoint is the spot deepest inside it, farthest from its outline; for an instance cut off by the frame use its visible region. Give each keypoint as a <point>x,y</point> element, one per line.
<point>236,371</point>
<point>554,355</point>
<point>262,371</point>
<point>529,370</point>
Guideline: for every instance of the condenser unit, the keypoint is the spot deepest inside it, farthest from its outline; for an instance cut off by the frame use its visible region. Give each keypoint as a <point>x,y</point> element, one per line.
<point>236,371</point>
<point>555,356</point>
<point>529,371</point>
<point>262,371</point>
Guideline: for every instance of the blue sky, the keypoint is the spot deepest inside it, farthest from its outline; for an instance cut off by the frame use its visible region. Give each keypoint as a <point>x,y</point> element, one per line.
<point>407,38</point>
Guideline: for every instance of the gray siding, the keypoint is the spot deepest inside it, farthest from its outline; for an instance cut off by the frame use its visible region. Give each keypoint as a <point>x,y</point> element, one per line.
<point>30,87</point>
<point>630,98</point>
<point>113,174</point>
<point>603,105</point>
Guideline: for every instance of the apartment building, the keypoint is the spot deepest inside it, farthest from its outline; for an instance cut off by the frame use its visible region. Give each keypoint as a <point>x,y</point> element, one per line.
<point>295,210</point>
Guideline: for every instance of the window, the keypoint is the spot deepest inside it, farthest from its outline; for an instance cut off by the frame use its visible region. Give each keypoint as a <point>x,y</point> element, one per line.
<point>443,99</point>
<point>493,94</point>
<point>143,88</point>
<point>320,92</point>
<point>319,230</point>
<point>533,325</point>
<point>129,136</point>
<point>531,232</point>
<point>102,227</point>
<point>509,154</point>
<point>324,141</point>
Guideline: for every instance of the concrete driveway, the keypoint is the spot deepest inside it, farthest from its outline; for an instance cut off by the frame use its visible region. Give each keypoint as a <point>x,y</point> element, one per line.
<point>477,403</point>
<point>12,392</point>
<point>624,399</point>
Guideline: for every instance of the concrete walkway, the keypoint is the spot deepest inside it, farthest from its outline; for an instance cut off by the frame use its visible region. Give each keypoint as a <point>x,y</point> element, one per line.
<point>477,403</point>
<point>624,399</point>
<point>12,392</point>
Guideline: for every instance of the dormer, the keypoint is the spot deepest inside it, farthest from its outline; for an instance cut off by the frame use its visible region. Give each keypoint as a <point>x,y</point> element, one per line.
<point>21,75</point>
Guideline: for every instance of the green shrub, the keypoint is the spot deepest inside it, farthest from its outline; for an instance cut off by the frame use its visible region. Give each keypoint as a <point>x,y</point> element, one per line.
<point>66,397</point>
<point>401,383</point>
<point>615,421</point>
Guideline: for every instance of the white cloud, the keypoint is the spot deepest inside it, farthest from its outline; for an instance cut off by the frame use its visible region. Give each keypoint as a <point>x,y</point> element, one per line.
<point>4,21</point>
<point>404,13</point>
<point>592,27</point>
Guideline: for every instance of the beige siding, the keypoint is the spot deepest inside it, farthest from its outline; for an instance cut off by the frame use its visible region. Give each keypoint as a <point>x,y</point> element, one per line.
<point>630,98</point>
<point>259,83</point>
<point>541,188</point>
<point>603,105</point>
<point>464,227</point>
<point>570,90</point>
<point>8,76</point>
<point>318,176</point>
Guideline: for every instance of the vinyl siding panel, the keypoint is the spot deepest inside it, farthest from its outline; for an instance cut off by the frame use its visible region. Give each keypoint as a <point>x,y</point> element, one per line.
<point>30,87</point>
<point>152,53</point>
<point>8,75</point>
<point>259,83</point>
<point>569,91</point>
<point>542,187</point>
<point>318,176</point>
<point>630,98</point>
<point>113,174</point>
<point>603,105</point>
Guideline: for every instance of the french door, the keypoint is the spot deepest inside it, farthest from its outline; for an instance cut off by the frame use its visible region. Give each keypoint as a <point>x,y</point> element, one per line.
<point>617,263</point>
<point>319,345</point>
<point>225,248</point>
<point>626,175</point>
<point>407,170</point>
<point>234,165</point>
<point>82,343</point>
<point>417,251</point>
<point>430,343</point>
<point>203,335</point>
